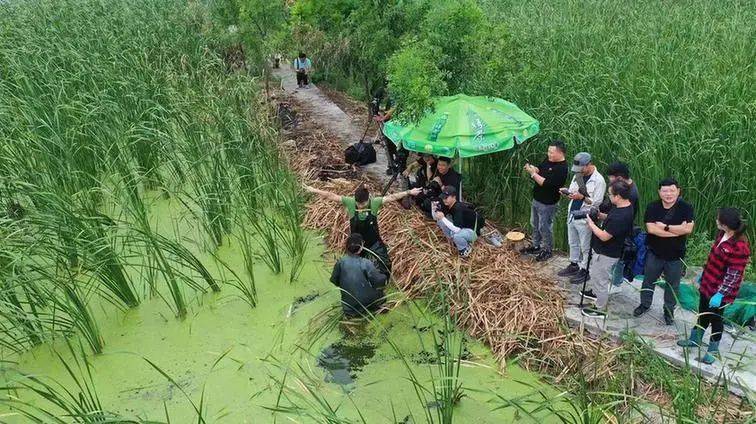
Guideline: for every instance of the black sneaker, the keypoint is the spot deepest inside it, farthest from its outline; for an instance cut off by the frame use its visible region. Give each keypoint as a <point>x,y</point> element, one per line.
<point>640,310</point>
<point>581,277</point>
<point>545,255</point>
<point>592,312</point>
<point>588,294</point>
<point>571,270</point>
<point>532,250</point>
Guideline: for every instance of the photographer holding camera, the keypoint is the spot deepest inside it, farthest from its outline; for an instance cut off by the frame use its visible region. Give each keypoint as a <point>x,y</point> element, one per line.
<point>548,177</point>
<point>587,186</point>
<point>459,222</point>
<point>607,244</point>
<point>668,220</point>
<point>396,156</point>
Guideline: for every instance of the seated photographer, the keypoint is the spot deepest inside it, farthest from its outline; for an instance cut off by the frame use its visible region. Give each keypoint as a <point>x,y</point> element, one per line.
<point>459,222</point>
<point>361,283</point>
<point>447,176</point>
<point>606,245</point>
<point>424,169</point>
<point>362,211</point>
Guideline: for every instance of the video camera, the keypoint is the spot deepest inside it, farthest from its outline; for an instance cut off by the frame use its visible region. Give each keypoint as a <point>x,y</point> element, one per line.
<point>593,212</point>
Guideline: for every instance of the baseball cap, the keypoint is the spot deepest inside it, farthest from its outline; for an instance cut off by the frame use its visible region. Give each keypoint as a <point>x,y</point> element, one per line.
<point>581,160</point>
<point>448,191</point>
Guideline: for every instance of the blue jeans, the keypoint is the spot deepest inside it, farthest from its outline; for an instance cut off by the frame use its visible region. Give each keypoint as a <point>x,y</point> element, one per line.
<point>462,238</point>
<point>542,220</point>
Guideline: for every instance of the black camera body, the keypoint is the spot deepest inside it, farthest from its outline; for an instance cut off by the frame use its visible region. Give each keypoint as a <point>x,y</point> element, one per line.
<point>583,213</point>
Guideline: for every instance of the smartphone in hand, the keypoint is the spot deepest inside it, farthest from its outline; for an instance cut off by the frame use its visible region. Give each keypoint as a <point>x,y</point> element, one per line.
<point>564,191</point>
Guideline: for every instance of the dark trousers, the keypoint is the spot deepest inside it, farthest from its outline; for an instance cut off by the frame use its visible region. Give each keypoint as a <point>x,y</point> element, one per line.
<point>378,254</point>
<point>713,316</point>
<point>672,271</point>
<point>302,79</point>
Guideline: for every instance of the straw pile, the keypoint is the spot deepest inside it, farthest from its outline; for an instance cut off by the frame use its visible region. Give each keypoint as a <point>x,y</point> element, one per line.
<point>497,297</point>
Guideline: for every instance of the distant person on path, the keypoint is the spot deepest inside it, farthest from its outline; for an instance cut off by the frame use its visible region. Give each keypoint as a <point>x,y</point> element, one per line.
<point>458,221</point>
<point>620,171</point>
<point>361,283</point>
<point>720,281</point>
<point>586,189</point>
<point>303,67</point>
<point>668,220</point>
<point>607,244</point>
<point>548,177</point>
<point>362,211</point>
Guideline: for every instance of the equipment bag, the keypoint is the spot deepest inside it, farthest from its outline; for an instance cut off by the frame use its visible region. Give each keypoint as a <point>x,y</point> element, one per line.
<point>360,154</point>
<point>640,253</point>
<point>480,220</point>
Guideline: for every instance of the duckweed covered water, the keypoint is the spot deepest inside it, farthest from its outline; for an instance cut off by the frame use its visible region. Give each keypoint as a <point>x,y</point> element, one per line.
<point>240,356</point>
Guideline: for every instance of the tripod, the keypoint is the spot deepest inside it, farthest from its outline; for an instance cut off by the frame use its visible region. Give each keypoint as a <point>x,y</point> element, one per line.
<point>587,276</point>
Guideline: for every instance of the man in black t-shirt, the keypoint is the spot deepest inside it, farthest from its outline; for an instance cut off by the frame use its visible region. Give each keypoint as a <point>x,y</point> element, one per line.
<point>548,177</point>
<point>620,171</point>
<point>669,221</point>
<point>446,176</point>
<point>607,246</point>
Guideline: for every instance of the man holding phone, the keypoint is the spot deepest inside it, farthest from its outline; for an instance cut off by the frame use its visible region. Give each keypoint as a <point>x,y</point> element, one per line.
<point>586,189</point>
<point>547,177</point>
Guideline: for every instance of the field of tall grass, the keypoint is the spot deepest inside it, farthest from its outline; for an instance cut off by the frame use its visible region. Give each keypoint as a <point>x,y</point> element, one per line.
<point>107,106</point>
<point>667,87</point>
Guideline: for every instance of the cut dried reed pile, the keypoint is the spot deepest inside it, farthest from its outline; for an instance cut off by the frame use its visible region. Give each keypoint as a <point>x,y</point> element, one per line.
<point>496,296</point>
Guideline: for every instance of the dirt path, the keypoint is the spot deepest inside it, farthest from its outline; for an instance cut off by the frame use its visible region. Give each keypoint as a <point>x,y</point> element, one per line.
<point>321,109</point>
<point>327,116</point>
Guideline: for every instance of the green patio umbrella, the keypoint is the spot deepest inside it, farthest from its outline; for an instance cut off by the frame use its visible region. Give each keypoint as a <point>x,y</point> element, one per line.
<point>465,126</point>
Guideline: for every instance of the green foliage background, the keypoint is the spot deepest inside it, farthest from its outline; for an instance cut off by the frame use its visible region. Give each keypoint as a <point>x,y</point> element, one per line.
<point>666,87</point>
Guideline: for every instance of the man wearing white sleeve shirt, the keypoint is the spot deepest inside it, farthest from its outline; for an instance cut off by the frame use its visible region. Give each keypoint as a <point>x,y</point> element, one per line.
<point>586,189</point>
<point>458,221</point>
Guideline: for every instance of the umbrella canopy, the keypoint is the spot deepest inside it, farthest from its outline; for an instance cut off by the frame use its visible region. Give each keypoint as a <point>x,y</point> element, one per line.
<point>466,126</point>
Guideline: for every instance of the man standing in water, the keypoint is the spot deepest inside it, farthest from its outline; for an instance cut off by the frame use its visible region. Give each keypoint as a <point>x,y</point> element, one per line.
<point>362,211</point>
<point>360,281</point>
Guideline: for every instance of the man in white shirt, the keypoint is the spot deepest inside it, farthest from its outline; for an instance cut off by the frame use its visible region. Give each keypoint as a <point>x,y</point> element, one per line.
<point>587,189</point>
<point>303,66</point>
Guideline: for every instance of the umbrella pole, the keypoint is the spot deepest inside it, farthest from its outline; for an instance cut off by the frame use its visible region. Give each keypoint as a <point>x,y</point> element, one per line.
<point>461,171</point>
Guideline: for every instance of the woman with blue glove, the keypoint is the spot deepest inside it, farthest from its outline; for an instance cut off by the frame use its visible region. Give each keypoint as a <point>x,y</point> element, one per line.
<point>720,281</point>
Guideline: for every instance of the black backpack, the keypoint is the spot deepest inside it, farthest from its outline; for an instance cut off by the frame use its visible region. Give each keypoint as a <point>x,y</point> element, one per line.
<point>360,154</point>
<point>480,219</point>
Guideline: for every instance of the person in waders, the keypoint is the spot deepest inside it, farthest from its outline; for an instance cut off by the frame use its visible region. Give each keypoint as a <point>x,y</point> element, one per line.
<point>361,283</point>
<point>362,211</point>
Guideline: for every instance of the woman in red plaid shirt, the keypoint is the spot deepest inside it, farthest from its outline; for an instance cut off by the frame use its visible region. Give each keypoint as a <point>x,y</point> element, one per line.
<point>720,281</point>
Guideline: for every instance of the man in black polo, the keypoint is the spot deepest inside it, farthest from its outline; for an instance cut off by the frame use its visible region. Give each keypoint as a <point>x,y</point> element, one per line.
<point>668,220</point>
<point>446,176</point>
<point>548,177</point>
